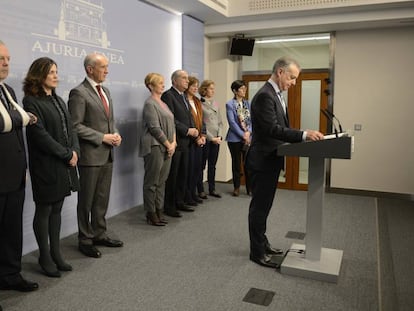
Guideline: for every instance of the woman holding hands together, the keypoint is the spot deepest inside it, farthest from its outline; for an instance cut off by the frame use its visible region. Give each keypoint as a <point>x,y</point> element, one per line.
<point>53,155</point>
<point>239,133</point>
<point>157,146</point>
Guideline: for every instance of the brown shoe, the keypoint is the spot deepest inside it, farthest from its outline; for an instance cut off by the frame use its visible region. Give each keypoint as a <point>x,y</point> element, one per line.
<point>153,220</point>
<point>236,192</point>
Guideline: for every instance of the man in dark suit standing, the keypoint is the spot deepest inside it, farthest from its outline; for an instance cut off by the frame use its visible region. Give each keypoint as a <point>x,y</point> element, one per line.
<point>270,123</point>
<point>185,132</point>
<point>12,182</point>
<point>90,105</point>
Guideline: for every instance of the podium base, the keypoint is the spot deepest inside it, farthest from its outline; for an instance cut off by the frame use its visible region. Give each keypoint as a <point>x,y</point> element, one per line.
<point>326,269</point>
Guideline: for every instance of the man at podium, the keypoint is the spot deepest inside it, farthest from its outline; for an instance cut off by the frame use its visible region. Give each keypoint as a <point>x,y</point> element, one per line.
<point>270,124</point>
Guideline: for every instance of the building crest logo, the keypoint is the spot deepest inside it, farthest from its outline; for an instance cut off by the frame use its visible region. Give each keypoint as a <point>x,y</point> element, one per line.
<point>80,31</point>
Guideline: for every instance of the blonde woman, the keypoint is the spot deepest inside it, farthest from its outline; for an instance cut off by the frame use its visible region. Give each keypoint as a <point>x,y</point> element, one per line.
<point>157,146</point>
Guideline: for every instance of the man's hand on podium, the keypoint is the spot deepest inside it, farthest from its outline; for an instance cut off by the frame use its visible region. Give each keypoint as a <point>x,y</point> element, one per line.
<point>314,135</point>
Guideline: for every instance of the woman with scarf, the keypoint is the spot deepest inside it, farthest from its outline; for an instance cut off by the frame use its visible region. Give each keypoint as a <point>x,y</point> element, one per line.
<point>195,167</point>
<point>239,133</point>
<point>53,155</point>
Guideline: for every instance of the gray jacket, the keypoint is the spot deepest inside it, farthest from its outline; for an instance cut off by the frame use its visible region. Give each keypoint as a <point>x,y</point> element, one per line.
<point>158,126</point>
<point>212,119</point>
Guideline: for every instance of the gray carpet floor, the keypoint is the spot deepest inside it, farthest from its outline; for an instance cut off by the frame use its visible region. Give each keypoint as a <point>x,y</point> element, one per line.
<point>200,261</point>
<point>396,239</point>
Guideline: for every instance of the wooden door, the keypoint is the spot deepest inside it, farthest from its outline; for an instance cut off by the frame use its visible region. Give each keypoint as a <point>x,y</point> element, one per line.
<point>304,100</point>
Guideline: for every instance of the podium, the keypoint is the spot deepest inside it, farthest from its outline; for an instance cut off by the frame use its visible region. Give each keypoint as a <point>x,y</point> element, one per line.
<point>312,260</point>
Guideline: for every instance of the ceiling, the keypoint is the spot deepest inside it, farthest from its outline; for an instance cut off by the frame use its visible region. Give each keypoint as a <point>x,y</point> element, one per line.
<point>295,18</point>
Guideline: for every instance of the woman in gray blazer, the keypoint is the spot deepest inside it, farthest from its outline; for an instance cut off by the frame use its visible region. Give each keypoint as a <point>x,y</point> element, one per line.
<point>157,146</point>
<point>53,155</point>
<point>214,128</point>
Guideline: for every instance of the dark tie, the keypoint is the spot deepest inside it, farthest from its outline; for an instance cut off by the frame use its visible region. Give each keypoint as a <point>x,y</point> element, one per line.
<point>185,100</point>
<point>3,97</point>
<point>104,102</point>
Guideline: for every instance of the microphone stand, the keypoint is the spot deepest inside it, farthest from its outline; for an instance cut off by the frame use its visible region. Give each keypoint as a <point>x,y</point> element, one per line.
<point>334,117</point>
<point>330,118</point>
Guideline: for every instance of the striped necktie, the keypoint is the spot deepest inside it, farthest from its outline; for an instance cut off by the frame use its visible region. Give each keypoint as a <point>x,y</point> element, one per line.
<point>282,100</point>
<point>3,97</point>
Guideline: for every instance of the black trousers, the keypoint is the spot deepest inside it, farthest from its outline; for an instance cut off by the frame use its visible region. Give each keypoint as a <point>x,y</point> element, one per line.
<point>210,156</point>
<point>11,235</point>
<point>263,186</point>
<point>195,172</point>
<point>176,184</point>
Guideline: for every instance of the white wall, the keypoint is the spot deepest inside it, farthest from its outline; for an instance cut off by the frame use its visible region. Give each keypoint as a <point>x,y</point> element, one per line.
<point>309,57</point>
<point>373,87</point>
<point>373,72</point>
<point>223,70</point>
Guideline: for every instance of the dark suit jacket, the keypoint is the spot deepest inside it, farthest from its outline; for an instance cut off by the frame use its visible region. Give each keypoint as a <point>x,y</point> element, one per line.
<point>182,117</point>
<point>91,123</point>
<point>49,151</point>
<point>12,154</point>
<point>270,128</point>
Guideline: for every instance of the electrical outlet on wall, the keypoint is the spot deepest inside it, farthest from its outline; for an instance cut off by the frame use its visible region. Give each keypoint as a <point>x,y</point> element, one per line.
<point>357,127</point>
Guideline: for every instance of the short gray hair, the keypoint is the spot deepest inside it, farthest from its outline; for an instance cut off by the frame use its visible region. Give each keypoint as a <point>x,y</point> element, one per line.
<point>91,59</point>
<point>176,74</point>
<point>284,62</point>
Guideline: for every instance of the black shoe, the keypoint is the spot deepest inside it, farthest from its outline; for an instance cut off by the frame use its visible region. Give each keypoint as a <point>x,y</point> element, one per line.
<point>198,200</point>
<point>49,270</point>
<point>21,285</point>
<point>269,250</point>
<point>203,195</point>
<point>108,242</point>
<point>191,203</point>
<point>89,250</point>
<point>185,208</point>
<point>215,194</point>
<point>63,266</point>
<point>265,261</point>
<point>172,213</point>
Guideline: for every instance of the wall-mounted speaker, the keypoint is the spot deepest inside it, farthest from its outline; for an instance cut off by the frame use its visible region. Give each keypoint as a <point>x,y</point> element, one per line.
<point>241,46</point>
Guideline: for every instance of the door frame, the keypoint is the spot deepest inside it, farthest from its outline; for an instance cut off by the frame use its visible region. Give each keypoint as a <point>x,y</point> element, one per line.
<point>294,110</point>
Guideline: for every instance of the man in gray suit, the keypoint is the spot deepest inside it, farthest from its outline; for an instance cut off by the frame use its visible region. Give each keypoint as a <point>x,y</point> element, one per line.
<point>90,105</point>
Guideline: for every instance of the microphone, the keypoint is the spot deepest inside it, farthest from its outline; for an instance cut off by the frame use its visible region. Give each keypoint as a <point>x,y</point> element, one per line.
<point>330,118</point>
<point>333,117</point>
